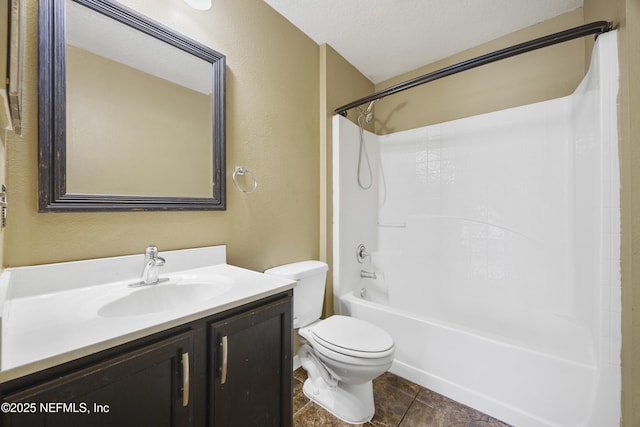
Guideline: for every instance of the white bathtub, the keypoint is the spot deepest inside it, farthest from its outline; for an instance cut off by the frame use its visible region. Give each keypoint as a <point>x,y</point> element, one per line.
<point>499,376</point>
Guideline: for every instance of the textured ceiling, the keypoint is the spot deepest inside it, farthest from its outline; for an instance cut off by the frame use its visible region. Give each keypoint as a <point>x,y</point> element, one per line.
<point>385,38</point>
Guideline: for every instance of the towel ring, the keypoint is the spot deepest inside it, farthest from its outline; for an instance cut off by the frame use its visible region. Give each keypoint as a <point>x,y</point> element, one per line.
<point>241,171</point>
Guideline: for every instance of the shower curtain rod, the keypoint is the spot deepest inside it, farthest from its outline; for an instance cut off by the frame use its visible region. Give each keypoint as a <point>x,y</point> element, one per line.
<point>596,28</point>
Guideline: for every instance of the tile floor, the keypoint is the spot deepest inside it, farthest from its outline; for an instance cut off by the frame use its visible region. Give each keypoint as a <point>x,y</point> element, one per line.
<point>399,403</point>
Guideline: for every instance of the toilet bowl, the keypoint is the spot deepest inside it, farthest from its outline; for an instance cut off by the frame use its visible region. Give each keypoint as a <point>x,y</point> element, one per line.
<point>341,354</point>
<point>352,352</point>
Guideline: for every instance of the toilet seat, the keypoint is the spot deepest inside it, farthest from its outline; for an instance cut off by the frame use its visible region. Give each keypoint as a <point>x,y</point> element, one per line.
<point>352,337</point>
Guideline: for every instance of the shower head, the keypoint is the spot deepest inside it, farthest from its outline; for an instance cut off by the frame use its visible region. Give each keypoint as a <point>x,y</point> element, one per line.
<point>368,113</point>
<point>370,106</point>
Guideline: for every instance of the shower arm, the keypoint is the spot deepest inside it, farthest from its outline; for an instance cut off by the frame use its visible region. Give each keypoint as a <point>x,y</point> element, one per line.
<point>596,28</point>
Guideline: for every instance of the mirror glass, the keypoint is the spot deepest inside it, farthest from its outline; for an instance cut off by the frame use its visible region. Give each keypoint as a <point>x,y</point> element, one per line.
<point>143,122</point>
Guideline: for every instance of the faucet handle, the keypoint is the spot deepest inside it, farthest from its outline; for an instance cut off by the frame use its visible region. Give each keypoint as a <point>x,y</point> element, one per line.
<point>361,253</point>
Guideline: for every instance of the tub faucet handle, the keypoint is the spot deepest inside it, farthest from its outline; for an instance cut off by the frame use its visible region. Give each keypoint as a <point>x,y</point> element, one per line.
<point>361,253</point>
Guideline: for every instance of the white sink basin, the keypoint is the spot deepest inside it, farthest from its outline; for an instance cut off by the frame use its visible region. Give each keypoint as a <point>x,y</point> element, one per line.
<point>176,293</point>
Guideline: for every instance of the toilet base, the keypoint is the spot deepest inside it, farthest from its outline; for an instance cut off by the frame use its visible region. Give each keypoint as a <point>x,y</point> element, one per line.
<point>352,403</point>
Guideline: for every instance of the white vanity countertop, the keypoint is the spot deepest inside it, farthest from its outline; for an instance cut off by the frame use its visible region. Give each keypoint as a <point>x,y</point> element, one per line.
<point>43,329</point>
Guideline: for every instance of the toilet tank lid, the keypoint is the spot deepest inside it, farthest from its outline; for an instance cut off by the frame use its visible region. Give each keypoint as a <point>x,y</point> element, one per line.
<point>298,270</point>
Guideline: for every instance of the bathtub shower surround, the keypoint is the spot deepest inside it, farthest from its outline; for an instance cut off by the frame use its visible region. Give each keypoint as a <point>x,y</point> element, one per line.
<point>495,241</point>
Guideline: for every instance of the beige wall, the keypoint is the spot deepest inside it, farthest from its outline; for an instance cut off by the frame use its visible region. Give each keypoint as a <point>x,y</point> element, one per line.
<point>272,129</point>
<point>532,77</point>
<point>631,219</point>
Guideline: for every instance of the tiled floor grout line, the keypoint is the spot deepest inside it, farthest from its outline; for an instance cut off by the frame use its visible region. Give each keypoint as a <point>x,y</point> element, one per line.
<point>406,411</point>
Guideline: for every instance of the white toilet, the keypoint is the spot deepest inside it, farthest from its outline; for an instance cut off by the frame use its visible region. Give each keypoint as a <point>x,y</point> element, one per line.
<point>341,354</point>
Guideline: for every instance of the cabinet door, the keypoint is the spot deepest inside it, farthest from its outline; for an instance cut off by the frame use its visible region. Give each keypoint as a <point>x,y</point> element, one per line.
<point>145,387</point>
<point>251,375</point>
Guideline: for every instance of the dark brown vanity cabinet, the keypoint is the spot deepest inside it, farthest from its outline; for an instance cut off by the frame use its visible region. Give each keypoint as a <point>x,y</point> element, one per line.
<point>251,382</point>
<point>179,377</point>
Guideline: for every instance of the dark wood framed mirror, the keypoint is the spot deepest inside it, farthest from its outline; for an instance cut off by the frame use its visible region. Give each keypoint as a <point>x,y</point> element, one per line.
<point>131,114</point>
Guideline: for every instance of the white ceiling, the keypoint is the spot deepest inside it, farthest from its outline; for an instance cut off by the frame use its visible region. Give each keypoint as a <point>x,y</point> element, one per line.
<point>386,38</point>
<point>94,32</point>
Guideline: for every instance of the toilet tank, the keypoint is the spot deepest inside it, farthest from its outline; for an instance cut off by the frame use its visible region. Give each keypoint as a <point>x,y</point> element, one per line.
<point>308,294</point>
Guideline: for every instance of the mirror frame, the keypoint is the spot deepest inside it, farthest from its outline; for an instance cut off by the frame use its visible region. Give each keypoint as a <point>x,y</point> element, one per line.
<point>52,193</point>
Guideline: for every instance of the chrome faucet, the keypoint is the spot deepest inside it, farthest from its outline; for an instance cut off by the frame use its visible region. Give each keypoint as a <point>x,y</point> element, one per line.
<point>152,263</point>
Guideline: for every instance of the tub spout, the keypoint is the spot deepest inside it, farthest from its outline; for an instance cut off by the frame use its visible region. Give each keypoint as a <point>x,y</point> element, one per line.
<point>368,274</point>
